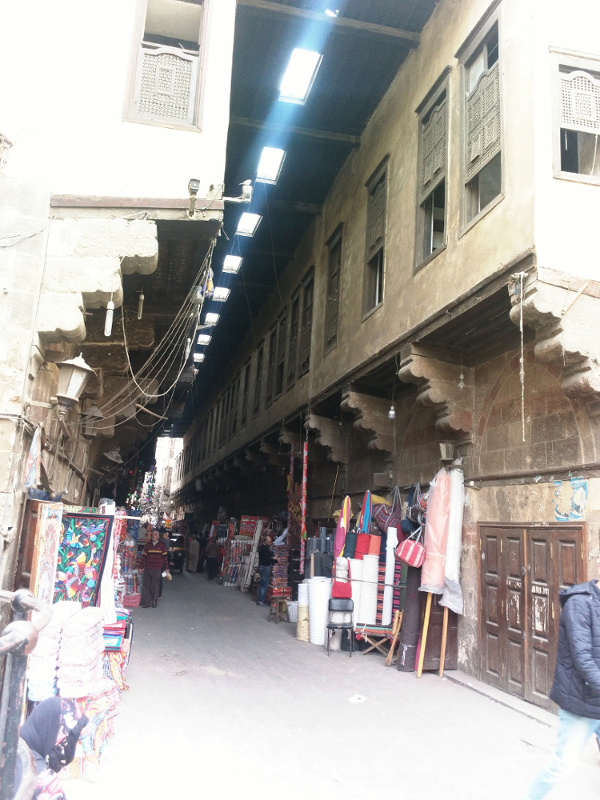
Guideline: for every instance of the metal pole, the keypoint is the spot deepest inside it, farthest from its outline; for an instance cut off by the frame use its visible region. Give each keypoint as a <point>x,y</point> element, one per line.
<point>18,639</point>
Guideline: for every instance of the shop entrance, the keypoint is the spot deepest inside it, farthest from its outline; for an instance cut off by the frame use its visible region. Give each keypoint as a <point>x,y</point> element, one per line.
<point>522,569</point>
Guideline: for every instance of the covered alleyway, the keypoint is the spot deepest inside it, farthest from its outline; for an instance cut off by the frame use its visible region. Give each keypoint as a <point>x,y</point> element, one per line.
<point>224,703</point>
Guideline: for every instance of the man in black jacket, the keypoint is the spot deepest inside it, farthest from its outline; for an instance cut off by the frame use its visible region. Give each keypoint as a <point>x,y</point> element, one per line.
<point>576,687</point>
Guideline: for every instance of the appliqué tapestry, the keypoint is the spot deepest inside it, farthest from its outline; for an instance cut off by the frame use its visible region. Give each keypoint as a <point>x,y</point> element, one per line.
<point>81,557</point>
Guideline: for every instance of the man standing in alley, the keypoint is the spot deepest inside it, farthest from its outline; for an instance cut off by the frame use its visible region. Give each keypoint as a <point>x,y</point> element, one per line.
<point>213,557</point>
<point>154,562</point>
<point>576,687</point>
<point>265,562</point>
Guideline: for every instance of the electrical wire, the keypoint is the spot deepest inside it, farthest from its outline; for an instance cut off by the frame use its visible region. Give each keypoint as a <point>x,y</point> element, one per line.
<point>160,362</point>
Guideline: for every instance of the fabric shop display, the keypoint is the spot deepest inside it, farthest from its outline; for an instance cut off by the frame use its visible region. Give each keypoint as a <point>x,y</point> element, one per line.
<point>374,545</point>
<point>81,557</point>
<point>436,534</point>
<point>411,551</point>
<point>356,570</point>
<point>390,566</point>
<point>42,664</point>
<point>80,654</point>
<point>452,594</point>
<point>350,546</point>
<point>45,553</point>
<point>342,528</point>
<point>302,626</point>
<point>367,609</point>
<point>101,710</point>
<point>319,592</point>
<point>363,542</point>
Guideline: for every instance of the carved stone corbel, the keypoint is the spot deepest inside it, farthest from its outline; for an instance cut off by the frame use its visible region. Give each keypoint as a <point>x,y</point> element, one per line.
<point>562,310</point>
<point>439,386</point>
<point>329,434</point>
<point>371,415</point>
<point>290,438</point>
<point>272,452</point>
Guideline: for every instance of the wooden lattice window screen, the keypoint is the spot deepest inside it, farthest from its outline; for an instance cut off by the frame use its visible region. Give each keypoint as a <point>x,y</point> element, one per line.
<point>166,84</point>
<point>580,102</point>
<point>306,332</point>
<point>483,122</point>
<point>376,225</point>
<point>433,151</point>
<point>333,293</point>
<point>293,351</point>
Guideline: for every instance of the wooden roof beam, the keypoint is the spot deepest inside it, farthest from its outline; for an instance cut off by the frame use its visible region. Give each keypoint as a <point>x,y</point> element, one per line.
<point>314,133</point>
<point>341,24</point>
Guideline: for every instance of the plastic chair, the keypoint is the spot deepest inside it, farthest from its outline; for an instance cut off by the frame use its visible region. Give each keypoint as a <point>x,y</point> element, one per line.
<point>340,606</point>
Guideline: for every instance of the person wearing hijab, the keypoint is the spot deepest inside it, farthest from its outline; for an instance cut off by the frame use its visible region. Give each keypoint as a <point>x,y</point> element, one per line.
<point>51,732</point>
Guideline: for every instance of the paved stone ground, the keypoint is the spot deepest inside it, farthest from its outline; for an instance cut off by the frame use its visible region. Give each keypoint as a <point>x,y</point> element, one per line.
<point>224,703</point>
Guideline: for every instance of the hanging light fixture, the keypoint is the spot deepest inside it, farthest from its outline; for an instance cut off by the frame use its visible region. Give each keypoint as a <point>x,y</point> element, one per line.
<point>73,375</point>
<point>141,304</point>
<point>92,416</point>
<point>392,412</point>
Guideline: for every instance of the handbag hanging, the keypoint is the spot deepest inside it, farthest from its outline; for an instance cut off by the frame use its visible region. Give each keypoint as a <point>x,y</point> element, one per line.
<point>411,550</point>
<point>342,590</point>
<point>389,516</point>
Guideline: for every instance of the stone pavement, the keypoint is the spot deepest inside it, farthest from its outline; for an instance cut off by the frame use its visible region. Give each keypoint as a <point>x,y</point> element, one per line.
<point>225,703</point>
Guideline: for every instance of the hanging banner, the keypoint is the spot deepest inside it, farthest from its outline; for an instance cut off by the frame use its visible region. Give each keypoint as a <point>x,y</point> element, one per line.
<point>303,507</point>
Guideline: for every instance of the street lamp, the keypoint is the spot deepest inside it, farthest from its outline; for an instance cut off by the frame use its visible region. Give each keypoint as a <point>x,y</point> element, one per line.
<point>73,375</point>
<point>91,419</point>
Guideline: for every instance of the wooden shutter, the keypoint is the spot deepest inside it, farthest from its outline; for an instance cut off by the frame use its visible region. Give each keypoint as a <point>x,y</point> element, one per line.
<point>376,224</point>
<point>433,147</point>
<point>306,333</point>
<point>483,122</point>
<point>333,293</point>
<point>579,102</point>
<point>293,353</point>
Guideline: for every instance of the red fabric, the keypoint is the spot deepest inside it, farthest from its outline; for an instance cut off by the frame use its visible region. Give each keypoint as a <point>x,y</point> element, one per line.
<point>374,545</point>
<point>363,541</point>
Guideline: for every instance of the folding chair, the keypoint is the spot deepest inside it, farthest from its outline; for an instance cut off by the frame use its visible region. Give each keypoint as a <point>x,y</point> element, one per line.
<point>376,636</point>
<point>340,607</point>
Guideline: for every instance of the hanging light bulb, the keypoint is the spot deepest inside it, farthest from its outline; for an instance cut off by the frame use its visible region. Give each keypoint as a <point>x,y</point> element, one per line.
<point>392,412</point>
<point>141,304</point>
<point>108,322</point>
<point>461,381</point>
<point>188,347</point>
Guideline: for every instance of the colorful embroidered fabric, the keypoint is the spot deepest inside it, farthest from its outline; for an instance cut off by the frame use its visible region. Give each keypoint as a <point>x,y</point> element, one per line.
<point>81,557</point>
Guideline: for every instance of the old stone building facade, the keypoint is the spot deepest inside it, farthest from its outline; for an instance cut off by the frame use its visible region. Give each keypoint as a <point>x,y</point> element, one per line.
<point>450,272</point>
<point>108,116</point>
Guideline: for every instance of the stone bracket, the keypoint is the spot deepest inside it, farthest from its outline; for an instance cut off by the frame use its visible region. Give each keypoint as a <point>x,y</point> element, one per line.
<point>438,387</point>
<point>564,312</point>
<point>329,434</point>
<point>371,415</point>
<point>273,453</point>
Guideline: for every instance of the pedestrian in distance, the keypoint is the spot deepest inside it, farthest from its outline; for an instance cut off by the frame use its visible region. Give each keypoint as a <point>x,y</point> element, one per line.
<point>193,554</point>
<point>154,562</point>
<point>576,686</point>
<point>213,557</point>
<point>265,562</point>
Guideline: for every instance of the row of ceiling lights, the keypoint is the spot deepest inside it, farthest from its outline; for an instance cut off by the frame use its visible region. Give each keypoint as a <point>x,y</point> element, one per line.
<point>295,86</point>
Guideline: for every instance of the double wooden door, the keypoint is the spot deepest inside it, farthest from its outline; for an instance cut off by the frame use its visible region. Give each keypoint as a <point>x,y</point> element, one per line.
<point>522,569</point>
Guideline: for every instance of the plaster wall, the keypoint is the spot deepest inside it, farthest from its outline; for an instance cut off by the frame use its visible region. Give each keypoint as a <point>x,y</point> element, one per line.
<point>62,105</point>
<point>566,208</point>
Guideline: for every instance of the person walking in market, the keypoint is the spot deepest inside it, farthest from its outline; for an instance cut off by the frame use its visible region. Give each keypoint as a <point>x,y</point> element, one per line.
<point>576,686</point>
<point>154,562</point>
<point>213,556</point>
<point>265,562</point>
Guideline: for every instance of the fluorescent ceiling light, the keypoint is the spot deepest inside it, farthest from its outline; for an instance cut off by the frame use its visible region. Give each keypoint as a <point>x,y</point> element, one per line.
<point>221,294</point>
<point>232,264</point>
<point>248,224</point>
<point>211,318</point>
<point>204,338</point>
<point>331,12</point>
<point>198,357</point>
<point>299,76</point>
<point>270,164</point>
